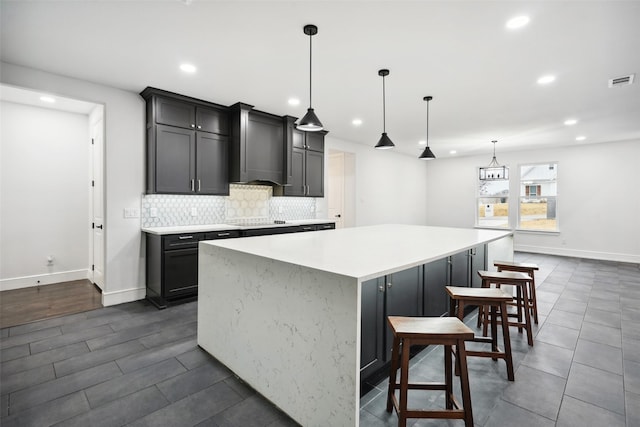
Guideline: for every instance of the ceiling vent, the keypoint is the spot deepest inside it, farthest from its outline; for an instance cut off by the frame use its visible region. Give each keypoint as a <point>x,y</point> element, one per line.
<point>621,81</point>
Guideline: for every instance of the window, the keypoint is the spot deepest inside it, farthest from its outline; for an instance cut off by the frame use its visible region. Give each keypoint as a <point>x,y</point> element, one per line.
<point>493,204</point>
<point>538,197</point>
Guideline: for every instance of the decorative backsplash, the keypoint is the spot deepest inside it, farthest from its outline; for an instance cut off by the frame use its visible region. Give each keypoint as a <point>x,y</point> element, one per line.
<point>244,203</point>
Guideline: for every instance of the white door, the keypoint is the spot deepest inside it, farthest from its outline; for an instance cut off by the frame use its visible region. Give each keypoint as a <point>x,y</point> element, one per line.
<point>335,207</point>
<point>97,136</point>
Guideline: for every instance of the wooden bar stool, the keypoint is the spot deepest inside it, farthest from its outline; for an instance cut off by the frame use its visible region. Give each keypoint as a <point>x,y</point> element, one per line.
<point>523,314</point>
<point>446,331</point>
<point>529,269</point>
<point>495,298</point>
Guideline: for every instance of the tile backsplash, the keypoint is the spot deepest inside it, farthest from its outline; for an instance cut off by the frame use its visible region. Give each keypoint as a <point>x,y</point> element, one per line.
<point>244,203</point>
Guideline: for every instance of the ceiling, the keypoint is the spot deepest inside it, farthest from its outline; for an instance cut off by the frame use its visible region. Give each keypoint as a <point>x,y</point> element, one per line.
<point>482,76</point>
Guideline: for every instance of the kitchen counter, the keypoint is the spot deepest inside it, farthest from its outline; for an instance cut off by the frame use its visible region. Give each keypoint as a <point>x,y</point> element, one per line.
<point>283,312</point>
<point>221,227</point>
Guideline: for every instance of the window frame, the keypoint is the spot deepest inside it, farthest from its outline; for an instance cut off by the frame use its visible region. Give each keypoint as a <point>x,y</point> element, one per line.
<point>479,197</point>
<point>538,183</point>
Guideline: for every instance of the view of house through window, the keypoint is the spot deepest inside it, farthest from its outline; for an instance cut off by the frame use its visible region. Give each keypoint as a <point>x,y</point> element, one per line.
<point>538,197</point>
<point>493,203</point>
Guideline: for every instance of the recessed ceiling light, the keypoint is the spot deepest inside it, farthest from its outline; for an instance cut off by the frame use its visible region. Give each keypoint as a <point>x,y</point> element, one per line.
<point>453,152</point>
<point>580,138</point>
<point>423,142</point>
<point>293,101</point>
<point>356,122</point>
<point>517,22</point>
<point>570,122</point>
<point>47,99</point>
<point>546,79</point>
<point>188,68</point>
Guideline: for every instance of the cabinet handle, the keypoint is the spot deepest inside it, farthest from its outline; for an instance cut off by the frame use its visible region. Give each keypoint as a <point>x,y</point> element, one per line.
<point>389,285</point>
<point>192,125</point>
<point>223,234</point>
<point>185,237</point>
<point>193,185</point>
<point>381,288</point>
<point>199,186</point>
<point>199,127</point>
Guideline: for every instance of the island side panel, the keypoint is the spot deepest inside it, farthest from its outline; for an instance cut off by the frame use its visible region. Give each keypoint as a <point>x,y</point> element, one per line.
<point>290,332</point>
<point>499,250</point>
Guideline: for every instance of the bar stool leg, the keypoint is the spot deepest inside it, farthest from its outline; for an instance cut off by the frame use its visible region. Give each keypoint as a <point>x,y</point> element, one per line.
<point>448,376</point>
<point>393,375</point>
<point>404,381</point>
<point>527,315</point>
<point>506,341</point>
<point>461,364</point>
<point>494,330</point>
<point>533,298</point>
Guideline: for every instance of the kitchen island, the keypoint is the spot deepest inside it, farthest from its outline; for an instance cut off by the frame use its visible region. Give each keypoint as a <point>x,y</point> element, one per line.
<point>283,312</point>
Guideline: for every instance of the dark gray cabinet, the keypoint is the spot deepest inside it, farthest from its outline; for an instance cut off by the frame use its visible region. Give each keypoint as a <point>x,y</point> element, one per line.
<point>187,145</point>
<point>307,164</point>
<point>257,146</point>
<point>436,277</point>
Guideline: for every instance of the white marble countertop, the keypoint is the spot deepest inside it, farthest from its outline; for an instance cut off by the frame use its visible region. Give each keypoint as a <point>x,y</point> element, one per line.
<point>221,227</point>
<point>364,252</point>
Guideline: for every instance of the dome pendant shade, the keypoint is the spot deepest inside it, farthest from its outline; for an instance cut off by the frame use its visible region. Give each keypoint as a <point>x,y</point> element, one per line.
<point>427,154</point>
<point>385,142</point>
<point>310,122</point>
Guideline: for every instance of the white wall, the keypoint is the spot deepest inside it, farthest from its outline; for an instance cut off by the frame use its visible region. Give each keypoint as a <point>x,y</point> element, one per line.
<point>44,197</point>
<point>389,186</point>
<point>124,172</point>
<point>598,205</point>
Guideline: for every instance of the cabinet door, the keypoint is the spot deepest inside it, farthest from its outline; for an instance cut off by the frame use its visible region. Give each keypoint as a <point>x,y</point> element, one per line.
<point>297,168</point>
<point>212,164</point>
<point>265,148</point>
<point>210,120</point>
<point>175,113</point>
<point>436,301</point>
<point>315,141</point>
<point>180,272</point>
<point>403,297</point>
<point>460,269</point>
<point>478,262</point>
<point>371,321</point>
<point>314,173</point>
<point>175,160</point>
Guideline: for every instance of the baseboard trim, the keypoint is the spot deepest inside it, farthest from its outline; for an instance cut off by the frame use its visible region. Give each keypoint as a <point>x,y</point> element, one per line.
<point>577,253</point>
<point>122,296</point>
<point>43,279</point>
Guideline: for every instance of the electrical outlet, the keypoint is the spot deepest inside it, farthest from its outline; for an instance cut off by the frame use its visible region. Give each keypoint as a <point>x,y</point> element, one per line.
<point>194,211</point>
<point>131,213</point>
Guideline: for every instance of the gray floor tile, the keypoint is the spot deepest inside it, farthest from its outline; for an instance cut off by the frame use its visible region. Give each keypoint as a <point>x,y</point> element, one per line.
<point>251,412</point>
<point>170,334</point>
<point>558,335</point>
<point>543,399</point>
<point>597,387</point>
<point>49,413</point>
<point>369,420</point>
<point>546,296</point>
<point>599,356</point>
<point>565,318</point>
<point>194,358</point>
<point>550,359</point>
<point>575,412</point>
<point>14,352</point>
<point>574,295</point>
<point>94,321</point>
<point>70,338</point>
<point>40,359</point>
<point>25,379</point>
<point>95,358</point>
<point>601,317</point>
<point>506,414</point>
<point>155,355</point>
<point>123,385</point>
<point>193,381</point>
<point>631,329</point>
<point>12,341</point>
<point>632,376</point>
<point>193,409</point>
<point>32,396</point>
<point>604,305</point>
<point>46,324</point>
<point>601,334</point>
<point>578,307</point>
<point>631,350</point>
<point>632,405</point>
<point>128,334</point>
<point>606,294</point>
<point>121,411</point>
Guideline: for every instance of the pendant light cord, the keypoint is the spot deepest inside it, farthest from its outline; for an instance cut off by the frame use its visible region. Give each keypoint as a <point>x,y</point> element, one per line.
<point>427,123</point>
<point>384,108</point>
<point>310,68</point>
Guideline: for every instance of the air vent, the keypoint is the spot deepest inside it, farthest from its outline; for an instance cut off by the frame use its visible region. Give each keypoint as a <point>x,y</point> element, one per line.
<point>621,81</point>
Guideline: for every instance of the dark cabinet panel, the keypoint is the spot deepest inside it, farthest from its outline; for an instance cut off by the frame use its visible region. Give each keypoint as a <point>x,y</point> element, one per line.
<point>307,164</point>
<point>403,297</point>
<point>371,348</point>
<point>175,113</point>
<point>213,121</point>
<point>460,269</point>
<point>174,163</point>
<point>212,166</point>
<point>314,173</point>
<point>478,262</point>
<point>435,279</point>
<point>297,187</point>
<point>315,141</point>
<point>265,148</point>
<point>180,269</point>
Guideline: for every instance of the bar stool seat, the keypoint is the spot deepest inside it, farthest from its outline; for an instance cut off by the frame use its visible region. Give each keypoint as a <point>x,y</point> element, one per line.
<point>495,298</point>
<point>520,301</point>
<point>446,331</point>
<point>529,269</point>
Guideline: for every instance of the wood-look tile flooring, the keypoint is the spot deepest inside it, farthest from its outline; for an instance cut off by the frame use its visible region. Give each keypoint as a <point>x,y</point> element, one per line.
<point>20,306</point>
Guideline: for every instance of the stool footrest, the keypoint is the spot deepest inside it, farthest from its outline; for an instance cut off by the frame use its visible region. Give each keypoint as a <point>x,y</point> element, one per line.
<point>492,354</point>
<point>422,386</point>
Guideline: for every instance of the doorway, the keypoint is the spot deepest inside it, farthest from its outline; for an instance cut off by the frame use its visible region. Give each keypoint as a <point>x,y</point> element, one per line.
<point>341,200</point>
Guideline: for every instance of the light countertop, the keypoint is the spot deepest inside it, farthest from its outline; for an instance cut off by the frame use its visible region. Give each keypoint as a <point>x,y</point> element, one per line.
<point>222,227</point>
<point>364,252</point>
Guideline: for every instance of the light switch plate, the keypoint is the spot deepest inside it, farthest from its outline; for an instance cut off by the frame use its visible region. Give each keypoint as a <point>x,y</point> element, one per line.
<point>131,213</point>
<point>194,211</point>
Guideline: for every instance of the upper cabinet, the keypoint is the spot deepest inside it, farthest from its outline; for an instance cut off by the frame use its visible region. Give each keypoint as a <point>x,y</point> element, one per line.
<point>187,145</point>
<point>257,151</point>
<point>306,163</point>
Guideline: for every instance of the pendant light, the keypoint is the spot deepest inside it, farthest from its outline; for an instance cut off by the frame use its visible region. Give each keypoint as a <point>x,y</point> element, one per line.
<point>494,171</point>
<point>310,122</point>
<point>427,153</point>
<point>384,142</point>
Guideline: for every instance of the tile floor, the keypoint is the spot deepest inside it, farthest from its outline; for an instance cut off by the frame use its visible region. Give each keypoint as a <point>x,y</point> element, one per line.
<point>134,365</point>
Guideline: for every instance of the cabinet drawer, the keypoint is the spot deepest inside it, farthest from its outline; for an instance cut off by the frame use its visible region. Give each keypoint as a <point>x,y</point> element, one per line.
<point>182,241</point>
<point>329,226</point>
<point>308,228</point>
<point>226,234</point>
